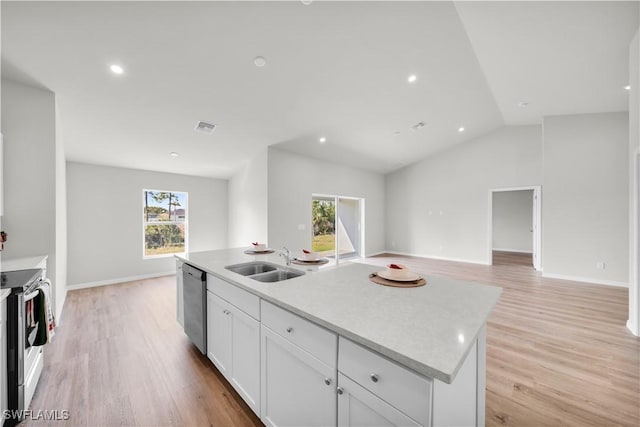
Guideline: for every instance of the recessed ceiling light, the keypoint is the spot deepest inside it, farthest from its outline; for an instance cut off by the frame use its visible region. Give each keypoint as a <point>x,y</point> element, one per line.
<point>523,104</point>
<point>396,133</point>
<point>116,69</point>
<point>461,129</point>
<point>322,140</point>
<point>174,154</point>
<point>306,2</point>
<point>259,61</point>
<point>627,87</point>
<point>412,78</point>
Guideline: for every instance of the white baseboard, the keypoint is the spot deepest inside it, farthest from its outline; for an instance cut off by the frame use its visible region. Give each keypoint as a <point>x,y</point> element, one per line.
<point>442,258</point>
<point>375,254</point>
<point>636,333</point>
<point>591,280</point>
<point>119,280</point>
<point>517,251</point>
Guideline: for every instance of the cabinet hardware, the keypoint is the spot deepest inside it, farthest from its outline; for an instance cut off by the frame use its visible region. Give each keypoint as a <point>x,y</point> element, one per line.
<point>374,378</point>
<point>340,390</point>
<point>327,381</point>
<point>289,329</point>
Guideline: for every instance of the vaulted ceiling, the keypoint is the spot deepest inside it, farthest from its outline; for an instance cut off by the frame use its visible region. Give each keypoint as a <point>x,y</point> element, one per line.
<point>337,70</point>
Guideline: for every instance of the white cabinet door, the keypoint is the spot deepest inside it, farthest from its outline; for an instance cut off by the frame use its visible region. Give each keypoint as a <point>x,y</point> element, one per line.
<point>297,388</point>
<point>245,357</point>
<point>3,360</point>
<point>219,333</point>
<point>357,406</point>
<point>179,299</point>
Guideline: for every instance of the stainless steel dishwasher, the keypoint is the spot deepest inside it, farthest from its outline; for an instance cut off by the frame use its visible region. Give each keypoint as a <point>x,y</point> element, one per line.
<point>194,291</point>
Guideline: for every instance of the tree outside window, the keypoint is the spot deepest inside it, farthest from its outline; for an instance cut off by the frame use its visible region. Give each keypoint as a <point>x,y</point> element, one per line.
<point>164,222</point>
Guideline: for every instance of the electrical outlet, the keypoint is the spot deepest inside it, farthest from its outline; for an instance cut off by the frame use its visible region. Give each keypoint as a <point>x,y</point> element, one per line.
<point>600,265</point>
<point>393,244</point>
<point>441,248</point>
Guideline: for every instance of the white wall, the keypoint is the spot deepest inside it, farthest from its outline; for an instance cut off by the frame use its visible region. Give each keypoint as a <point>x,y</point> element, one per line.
<point>513,220</point>
<point>248,203</point>
<point>104,207</point>
<point>61,219</point>
<point>291,182</point>
<point>634,185</point>
<point>31,181</point>
<point>439,206</point>
<point>585,197</point>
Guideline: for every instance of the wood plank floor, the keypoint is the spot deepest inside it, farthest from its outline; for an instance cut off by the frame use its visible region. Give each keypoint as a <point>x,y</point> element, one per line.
<point>558,353</point>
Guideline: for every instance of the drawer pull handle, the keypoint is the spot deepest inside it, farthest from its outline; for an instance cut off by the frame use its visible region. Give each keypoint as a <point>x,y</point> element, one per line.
<point>327,381</point>
<point>374,378</point>
<point>289,329</point>
<point>340,390</point>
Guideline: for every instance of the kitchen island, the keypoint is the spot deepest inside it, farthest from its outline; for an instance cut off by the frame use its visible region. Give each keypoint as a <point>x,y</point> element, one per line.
<point>429,338</point>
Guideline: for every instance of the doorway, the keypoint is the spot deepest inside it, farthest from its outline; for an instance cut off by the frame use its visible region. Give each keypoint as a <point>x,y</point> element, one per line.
<point>514,227</point>
<point>337,226</point>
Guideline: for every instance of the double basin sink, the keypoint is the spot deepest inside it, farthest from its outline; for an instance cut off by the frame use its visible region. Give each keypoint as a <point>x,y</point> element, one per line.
<point>264,271</point>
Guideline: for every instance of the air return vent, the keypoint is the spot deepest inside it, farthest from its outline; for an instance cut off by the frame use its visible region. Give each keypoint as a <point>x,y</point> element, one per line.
<point>205,127</point>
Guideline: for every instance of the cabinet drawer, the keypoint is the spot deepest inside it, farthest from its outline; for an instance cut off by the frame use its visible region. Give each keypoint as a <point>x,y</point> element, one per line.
<point>400,387</point>
<point>242,299</point>
<point>306,335</point>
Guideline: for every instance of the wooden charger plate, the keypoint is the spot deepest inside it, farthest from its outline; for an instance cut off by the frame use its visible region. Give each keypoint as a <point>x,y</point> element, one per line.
<point>380,281</point>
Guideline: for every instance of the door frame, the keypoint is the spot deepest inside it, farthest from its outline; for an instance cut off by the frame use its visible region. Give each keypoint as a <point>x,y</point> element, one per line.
<point>336,199</point>
<point>537,223</point>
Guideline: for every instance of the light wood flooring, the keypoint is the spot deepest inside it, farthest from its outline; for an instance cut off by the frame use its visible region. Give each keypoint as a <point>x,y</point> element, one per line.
<point>558,353</point>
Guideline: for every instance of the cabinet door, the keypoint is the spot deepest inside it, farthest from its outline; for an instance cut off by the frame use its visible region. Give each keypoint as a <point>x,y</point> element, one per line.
<point>245,359</point>
<point>179,300</point>
<point>219,333</point>
<point>357,406</point>
<point>3,360</point>
<point>297,388</point>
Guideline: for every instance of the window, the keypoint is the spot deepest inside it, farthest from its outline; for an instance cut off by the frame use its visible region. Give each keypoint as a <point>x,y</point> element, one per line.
<point>164,221</point>
<point>336,226</point>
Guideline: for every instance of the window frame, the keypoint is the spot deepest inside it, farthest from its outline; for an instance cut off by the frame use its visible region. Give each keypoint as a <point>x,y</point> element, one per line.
<point>146,223</point>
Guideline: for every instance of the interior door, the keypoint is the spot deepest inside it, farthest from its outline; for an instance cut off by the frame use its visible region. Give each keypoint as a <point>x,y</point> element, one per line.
<point>537,216</point>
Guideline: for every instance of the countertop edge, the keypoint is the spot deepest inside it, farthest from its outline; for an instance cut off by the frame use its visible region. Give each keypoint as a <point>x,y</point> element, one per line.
<point>399,358</point>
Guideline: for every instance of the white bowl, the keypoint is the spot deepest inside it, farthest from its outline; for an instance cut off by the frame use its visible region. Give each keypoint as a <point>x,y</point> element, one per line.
<point>260,247</point>
<point>311,256</point>
<point>399,273</point>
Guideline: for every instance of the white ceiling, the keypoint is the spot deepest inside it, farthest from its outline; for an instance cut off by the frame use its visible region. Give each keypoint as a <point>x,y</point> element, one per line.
<point>334,69</point>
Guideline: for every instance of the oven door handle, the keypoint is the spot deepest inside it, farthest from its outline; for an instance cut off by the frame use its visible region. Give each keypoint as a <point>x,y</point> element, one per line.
<point>32,295</point>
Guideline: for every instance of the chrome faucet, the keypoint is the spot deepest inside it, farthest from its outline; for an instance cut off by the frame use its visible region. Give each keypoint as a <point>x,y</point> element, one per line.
<point>286,253</point>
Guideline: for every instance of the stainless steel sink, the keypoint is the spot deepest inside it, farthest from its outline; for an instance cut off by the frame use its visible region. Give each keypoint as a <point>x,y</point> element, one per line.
<point>264,271</point>
<point>251,268</point>
<point>277,276</point>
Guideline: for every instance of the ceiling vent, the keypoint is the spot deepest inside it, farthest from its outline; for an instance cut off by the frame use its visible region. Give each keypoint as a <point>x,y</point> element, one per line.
<point>205,127</point>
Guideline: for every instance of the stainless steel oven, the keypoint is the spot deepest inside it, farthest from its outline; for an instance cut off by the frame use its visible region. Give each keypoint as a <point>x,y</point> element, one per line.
<point>24,359</point>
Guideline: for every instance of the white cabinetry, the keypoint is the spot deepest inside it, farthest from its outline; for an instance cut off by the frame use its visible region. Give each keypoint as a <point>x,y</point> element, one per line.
<point>357,406</point>
<point>233,338</point>
<point>298,370</point>
<point>179,298</point>
<point>3,361</point>
<point>405,394</point>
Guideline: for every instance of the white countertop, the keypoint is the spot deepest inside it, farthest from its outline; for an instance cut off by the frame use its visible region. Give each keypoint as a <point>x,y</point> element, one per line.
<point>23,263</point>
<point>429,329</point>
